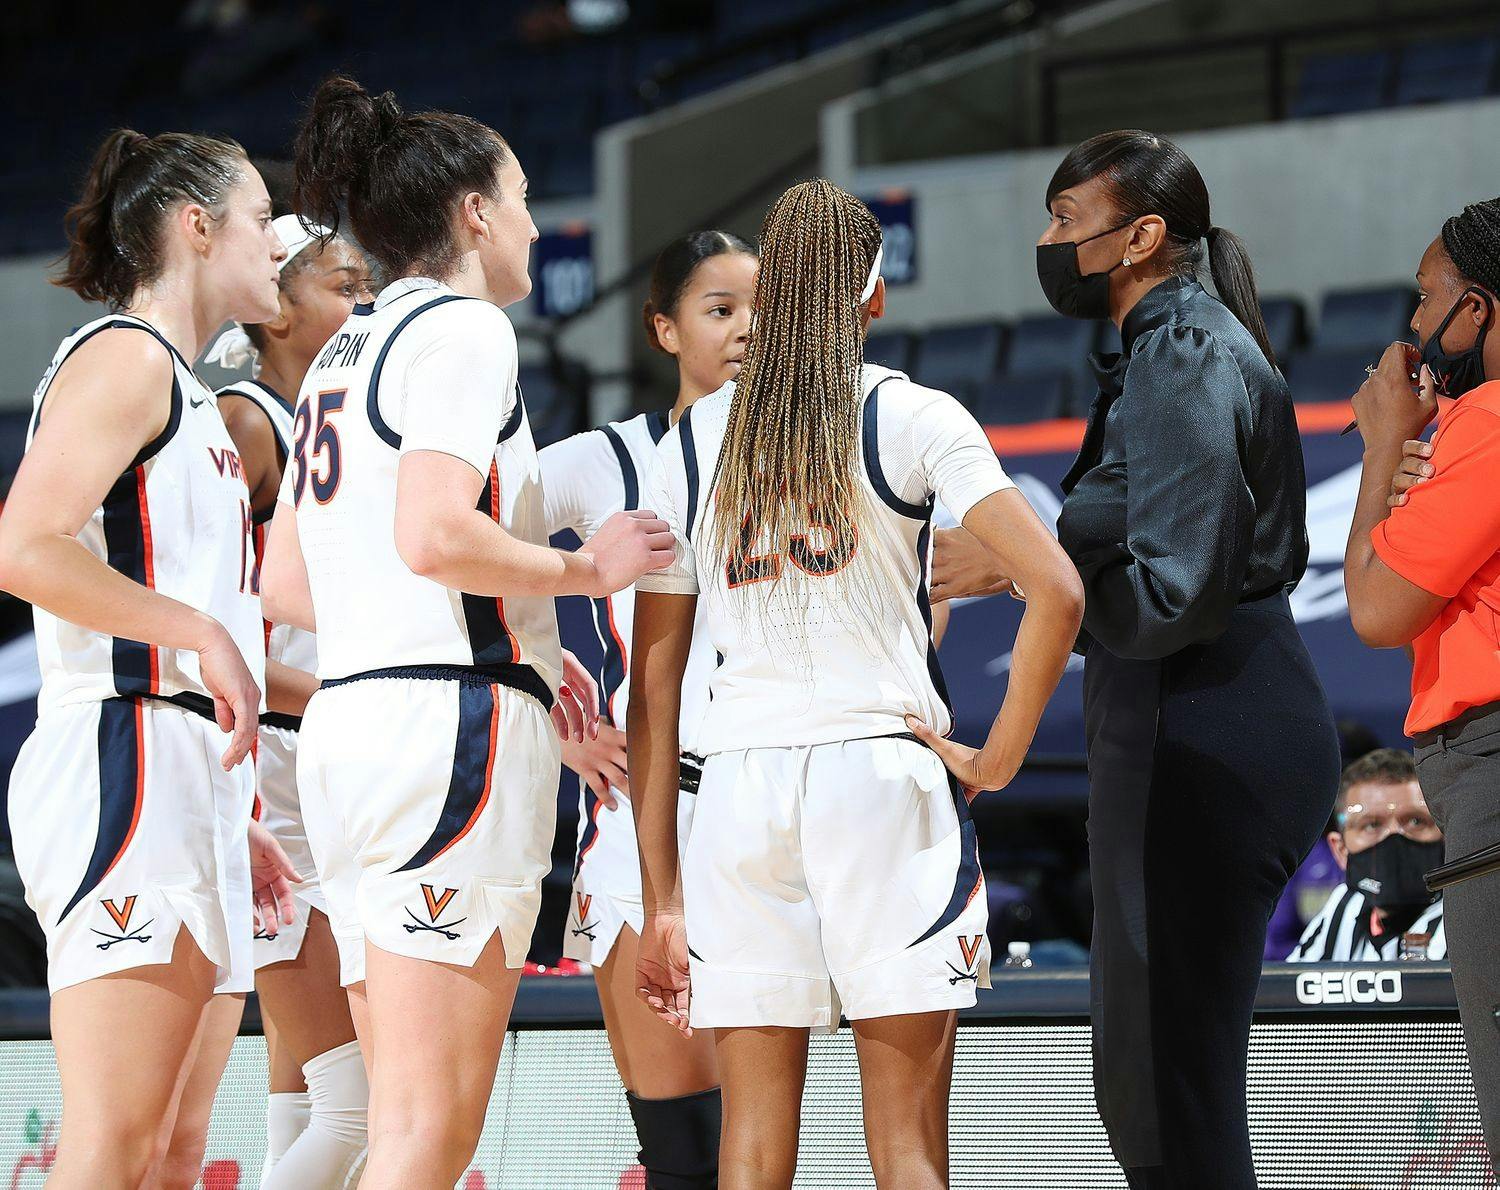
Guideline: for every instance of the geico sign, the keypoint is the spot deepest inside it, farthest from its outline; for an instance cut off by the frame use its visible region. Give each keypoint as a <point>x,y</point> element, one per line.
<point>1349,987</point>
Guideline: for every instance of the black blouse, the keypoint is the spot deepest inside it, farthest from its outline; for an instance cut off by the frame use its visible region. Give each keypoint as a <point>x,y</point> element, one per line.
<point>1188,496</point>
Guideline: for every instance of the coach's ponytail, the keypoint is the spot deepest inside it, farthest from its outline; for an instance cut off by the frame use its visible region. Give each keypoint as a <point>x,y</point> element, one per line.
<point>1147,174</point>
<point>1234,278</point>
<point>396,175</point>
<point>114,229</point>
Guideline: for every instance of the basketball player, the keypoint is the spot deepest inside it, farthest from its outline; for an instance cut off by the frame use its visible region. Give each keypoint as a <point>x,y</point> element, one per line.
<point>315,1113</point>
<point>698,313</point>
<point>128,529</point>
<point>409,534</point>
<point>832,865</point>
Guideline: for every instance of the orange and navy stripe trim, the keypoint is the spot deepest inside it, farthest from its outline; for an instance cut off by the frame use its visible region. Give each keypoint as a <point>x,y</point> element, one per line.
<point>969,878</point>
<point>122,790</point>
<point>591,806</point>
<point>490,636</point>
<point>129,549</point>
<point>615,664</point>
<point>473,772</point>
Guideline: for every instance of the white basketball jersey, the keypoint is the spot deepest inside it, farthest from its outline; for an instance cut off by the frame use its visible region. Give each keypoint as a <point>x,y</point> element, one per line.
<point>423,369</point>
<point>588,478</point>
<point>178,521</point>
<point>294,647</point>
<point>803,664</point>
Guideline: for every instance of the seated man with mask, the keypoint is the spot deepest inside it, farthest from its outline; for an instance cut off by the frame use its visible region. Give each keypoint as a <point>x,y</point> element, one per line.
<point>1386,841</point>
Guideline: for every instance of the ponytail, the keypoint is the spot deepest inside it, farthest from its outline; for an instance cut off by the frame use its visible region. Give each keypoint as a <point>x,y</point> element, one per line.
<point>1234,278</point>
<point>344,128</point>
<point>114,229</point>
<point>396,175</point>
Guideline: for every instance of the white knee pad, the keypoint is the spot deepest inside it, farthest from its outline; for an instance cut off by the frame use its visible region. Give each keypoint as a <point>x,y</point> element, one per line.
<point>330,1153</point>
<point>286,1118</point>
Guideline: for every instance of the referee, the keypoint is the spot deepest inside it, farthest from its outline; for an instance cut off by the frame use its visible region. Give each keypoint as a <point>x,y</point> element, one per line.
<point>1427,575</point>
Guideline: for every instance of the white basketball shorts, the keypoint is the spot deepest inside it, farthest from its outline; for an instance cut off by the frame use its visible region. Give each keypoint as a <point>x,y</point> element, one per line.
<point>607,869</point>
<point>429,804</point>
<point>281,814</point>
<point>126,828</point>
<point>832,878</point>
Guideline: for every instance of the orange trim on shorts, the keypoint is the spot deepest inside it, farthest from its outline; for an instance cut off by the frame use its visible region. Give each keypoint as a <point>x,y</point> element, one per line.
<point>140,779</point>
<point>489,774</point>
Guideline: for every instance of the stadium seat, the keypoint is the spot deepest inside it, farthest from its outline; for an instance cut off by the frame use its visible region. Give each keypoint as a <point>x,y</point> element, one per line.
<point>955,358</point>
<point>892,349</point>
<point>1014,400</point>
<point>1364,318</point>
<point>1332,84</point>
<point>1286,324</point>
<point>1046,343</point>
<point>1327,375</point>
<point>1438,71</point>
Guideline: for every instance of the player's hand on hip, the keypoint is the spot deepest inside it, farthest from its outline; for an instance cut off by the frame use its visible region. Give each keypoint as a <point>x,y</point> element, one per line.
<point>628,545</point>
<point>600,762</point>
<point>661,969</point>
<point>271,878</point>
<point>235,694</point>
<point>575,714</point>
<point>1414,469</point>
<point>962,568</point>
<point>977,770</point>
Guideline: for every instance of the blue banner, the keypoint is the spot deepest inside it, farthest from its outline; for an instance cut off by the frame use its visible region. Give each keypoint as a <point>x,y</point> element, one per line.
<point>563,265</point>
<point>898,224</point>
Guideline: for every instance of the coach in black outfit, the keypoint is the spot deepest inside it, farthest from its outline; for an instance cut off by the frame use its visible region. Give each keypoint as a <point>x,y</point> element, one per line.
<point>1213,760</point>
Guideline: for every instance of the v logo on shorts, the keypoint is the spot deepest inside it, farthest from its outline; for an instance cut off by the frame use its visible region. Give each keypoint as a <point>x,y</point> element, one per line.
<point>969,944</point>
<point>120,915</point>
<point>436,903</point>
<point>585,928</point>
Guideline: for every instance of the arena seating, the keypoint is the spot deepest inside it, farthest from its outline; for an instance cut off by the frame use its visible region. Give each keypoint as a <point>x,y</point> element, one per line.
<point>1038,368</point>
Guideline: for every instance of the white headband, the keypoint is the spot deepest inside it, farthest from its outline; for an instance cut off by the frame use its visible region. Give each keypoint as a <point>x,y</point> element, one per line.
<point>869,290</point>
<point>233,348</point>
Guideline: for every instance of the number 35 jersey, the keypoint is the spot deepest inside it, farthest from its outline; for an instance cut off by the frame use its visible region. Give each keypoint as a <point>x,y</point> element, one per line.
<point>177,521</point>
<point>819,661</point>
<point>424,369</point>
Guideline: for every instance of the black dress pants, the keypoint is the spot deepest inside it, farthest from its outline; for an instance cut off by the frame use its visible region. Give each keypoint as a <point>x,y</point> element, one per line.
<point>1211,774</point>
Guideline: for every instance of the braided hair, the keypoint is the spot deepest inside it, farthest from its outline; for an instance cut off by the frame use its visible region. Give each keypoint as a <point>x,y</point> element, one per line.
<point>1472,241</point>
<point>790,458</point>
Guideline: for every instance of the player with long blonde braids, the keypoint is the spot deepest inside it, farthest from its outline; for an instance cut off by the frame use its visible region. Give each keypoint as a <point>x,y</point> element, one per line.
<point>832,867</point>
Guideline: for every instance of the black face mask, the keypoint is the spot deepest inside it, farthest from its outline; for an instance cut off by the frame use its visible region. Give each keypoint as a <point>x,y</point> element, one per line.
<point>1390,873</point>
<point>1071,293</point>
<point>1458,372</point>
